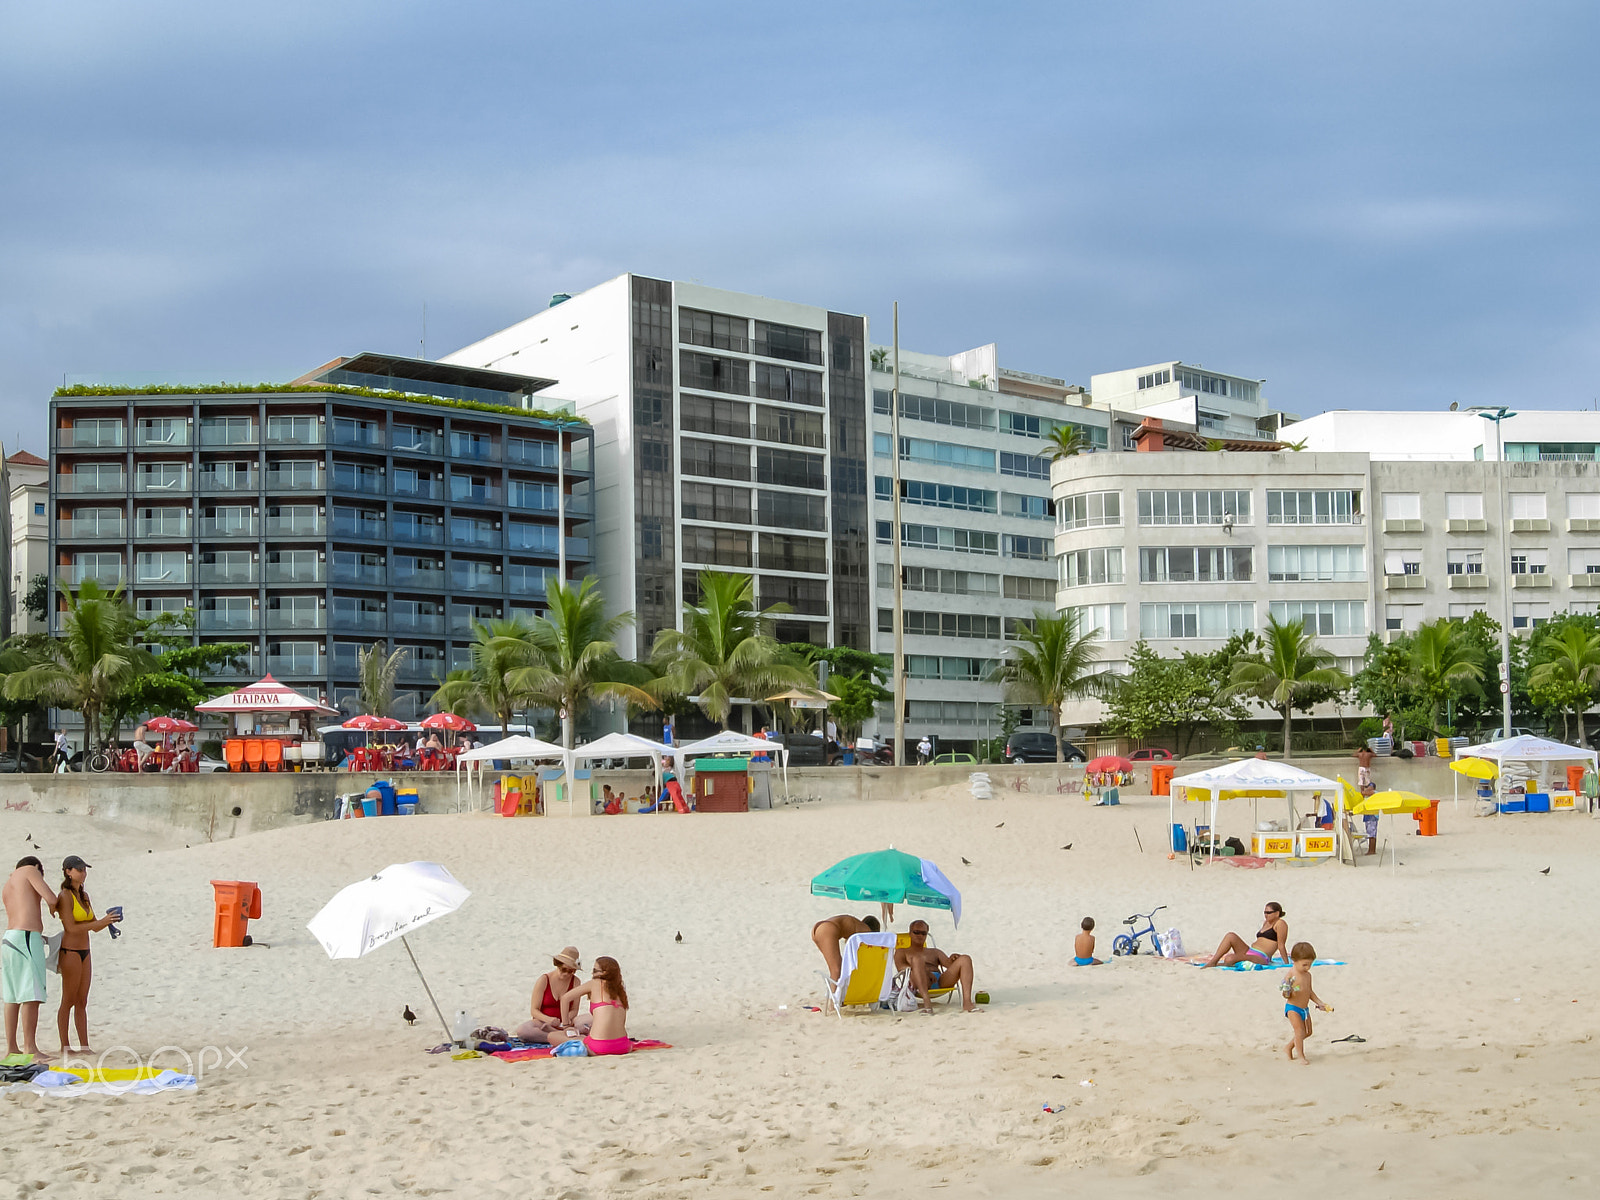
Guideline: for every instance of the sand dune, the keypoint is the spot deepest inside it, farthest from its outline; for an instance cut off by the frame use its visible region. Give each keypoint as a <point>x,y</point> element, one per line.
<point>1469,976</point>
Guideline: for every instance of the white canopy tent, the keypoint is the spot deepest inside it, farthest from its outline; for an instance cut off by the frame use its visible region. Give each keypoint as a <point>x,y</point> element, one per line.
<point>1253,778</point>
<point>626,745</point>
<point>1525,748</point>
<point>516,748</point>
<point>730,742</point>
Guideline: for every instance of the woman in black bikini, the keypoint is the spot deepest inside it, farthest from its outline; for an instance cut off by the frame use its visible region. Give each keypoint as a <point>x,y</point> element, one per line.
<point>1273,939</point>
<point>78,922</point>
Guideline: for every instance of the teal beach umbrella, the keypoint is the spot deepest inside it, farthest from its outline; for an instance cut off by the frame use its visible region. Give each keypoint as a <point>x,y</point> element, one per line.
<point>889,877</point>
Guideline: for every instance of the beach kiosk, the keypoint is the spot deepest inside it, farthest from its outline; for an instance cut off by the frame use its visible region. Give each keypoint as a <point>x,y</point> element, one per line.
<point>269,719</point>
<point>516,748</point>
<point>625,746</point>
<point>1258,778</point>
<point>722,768</point>
<point>1527,761</point>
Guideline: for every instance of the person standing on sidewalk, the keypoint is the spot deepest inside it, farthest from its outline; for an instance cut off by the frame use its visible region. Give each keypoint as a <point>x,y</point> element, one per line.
<point>924,751</point>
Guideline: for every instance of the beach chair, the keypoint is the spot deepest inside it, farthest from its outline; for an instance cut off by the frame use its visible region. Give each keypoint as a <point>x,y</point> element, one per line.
<point>902,979</point>
<point>866,974</point>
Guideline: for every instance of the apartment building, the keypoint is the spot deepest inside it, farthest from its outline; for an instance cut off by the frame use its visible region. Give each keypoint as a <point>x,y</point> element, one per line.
<point>1217,403</point>
<point>313,521</point>
<point>30,532</point>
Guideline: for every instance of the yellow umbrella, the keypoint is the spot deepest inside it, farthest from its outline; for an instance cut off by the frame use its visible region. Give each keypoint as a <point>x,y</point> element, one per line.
<point>1475,768</point>
<point>1390,802</point>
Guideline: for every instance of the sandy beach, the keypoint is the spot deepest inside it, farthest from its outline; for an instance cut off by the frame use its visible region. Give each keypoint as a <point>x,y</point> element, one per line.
<point>1469,975</point>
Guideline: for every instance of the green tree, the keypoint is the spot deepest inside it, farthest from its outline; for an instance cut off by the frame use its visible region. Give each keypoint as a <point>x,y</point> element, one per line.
<point>175,683</point>
<point>377,669</point>
<point>1066,441</point>
<point>859,698</point>
<point>1566,675</point>
<point>1052,663</point>
<point>726,650</point>
<point>37,599</point>
<point>499,649</point>
<point>1443,660</point>
<point>1286,672</point>
<point>1182,693</point>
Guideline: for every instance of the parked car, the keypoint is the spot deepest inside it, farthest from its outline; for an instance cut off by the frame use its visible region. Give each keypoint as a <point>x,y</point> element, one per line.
<point>953,758</point>
<point>1151,754</point>
<point>807,749</point>
<point>1036,747</point>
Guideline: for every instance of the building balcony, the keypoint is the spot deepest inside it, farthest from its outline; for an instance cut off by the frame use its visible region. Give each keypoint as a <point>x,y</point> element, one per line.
<point>292,666</point>
<point>98,483</point>
<point>147,576</point>
<point>1401,582</point>
<point>90,439</point>
<point>1530,525</point>
<point>473,449</point>
<point>103,530</point>
<point>176,435</point>
<point>113,578</point>
<point>480,539</point>
<point>277,619</point>
<point>172,485</point>
<point>215,574</point>
<point>355,527</point>
<point>430,623</point>
<point>370,574</point>
<point>1402,525</point>
<point>295,527</point>
<point>1590,579</point>
<point>417,441</point>
<point>1462,525</point>
<point>227,621</point>
<point>163,527</point>
<point>229,435</point>
<point>464,491</point>
<point>296,572</point>
<point>248,668</point>
<point>530,453</point>
<point>1532,579</point>
<point>476,581</point>
<point>425,489</point>
<point>577,547</point>
<point>1467,582</point>
<point>358,438</point>
<point>430,672</point>
<point>419,535</point>
<point>236,483</point>
<point>294,481</point>
<point>360,620</point>
<point>228,527</point>
<point>294,437</point>
<point>426,581</point>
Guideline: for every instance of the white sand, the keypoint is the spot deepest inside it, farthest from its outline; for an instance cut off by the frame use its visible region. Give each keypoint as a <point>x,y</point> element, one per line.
<point>1478,1076</point>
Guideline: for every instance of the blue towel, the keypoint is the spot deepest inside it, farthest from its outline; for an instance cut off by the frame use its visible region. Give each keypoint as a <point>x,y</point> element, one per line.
<point>1276,966</point>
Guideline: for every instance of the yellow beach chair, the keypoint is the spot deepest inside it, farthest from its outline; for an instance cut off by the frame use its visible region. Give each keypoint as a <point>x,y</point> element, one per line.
<point>866,976</point>
<point>902,980</point>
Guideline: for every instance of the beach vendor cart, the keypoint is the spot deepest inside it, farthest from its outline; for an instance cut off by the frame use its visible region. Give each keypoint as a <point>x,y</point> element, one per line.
<point>268,718</point>
<point>1522,780</point>
<point>1258,779</point>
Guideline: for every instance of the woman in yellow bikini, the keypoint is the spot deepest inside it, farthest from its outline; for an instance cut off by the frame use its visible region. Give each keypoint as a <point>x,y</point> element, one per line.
<point>78,922</point>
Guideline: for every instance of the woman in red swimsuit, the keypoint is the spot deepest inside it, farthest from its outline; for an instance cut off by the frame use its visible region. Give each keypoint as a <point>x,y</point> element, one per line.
<point>544,1008</point>
<point>608,1006</point>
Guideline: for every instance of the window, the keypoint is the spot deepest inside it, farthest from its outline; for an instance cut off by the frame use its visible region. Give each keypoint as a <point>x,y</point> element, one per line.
<point>1529,562</point>
<point>106,568</point>
<point>790,511</point>
<point>1024,466</point>
<point>1462,506</point>
<point>350,477</point>
<point>728,418</point>
<point>305,431</point>
<point>1194,508</point>
<point>1194,564</point>
<point>295,473</point>
<point>1550,452</point>
<point>1316,564</point>
<point>1529,616</point>
<point>719,547</point>
<point>230,431</point>
<point>717,503</point>
<point>716,459</point>
<point>806,597</point>
<point>1583,506</point>
<point>1033,590</point>
<point>1214,385</point>
<point>1105,619</point>
<point>1402,562</point>
<point>789,468</point>
<point>1583,562</point>
<point>940,537</point>
<point>1036,549</point>
<point>161,566</point>
<point>94,431</point>
<point>1402,506</point>
<point>163,431</point>
<point>1017,626</point>
<point>709,373</point>
<point>788,383</point>
<point>919,623</point>
<point>1030,508</point>
<point>1160,622</point>
<point>1463,562</point>
<point>1461,612</point>
<point>1088,510</point>
<point>1313,507</point>
<point>1155,379</point>
<point>937,495</point>
<point>788,426</point>
<point>1527,506</point>
<point>785,552</point>
<point>521,535</point>
<point>929,666</point>
<point>1326,618</point>
<point>936,411</point>
<point>38,508</point>
<point>790,342</point>
<point>103,522</point>
<point>1029,426</point>
<point>942,580</point>
<point>520,493</point>
<point>944,454</point>
<point>1102,564</point>
<point>720,332</point>
<point>163,477</point>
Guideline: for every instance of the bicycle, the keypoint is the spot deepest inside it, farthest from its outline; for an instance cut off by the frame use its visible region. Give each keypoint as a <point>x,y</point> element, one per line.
<point>1128,943</point>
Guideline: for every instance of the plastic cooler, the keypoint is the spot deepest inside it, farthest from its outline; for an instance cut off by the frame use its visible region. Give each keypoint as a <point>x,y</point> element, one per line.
<point>1538,802</point>
<point>1514,804</point>
<point>1180,840</point>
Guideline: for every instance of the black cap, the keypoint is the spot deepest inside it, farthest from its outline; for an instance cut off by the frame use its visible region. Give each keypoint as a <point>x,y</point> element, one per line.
<point>71,861</point>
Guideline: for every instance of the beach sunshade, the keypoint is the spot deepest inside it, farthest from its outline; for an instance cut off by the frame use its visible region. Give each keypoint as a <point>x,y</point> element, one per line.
<point>795,698</point>
<point>170,725</point>
<point>1109,762</point>
<point>265,695</point>
<point>517,746</point>
<point>1475,768</point>
<point>364,721</point>
<point>449,720</point>
<point>1390,802</point>
<point>397,901</point>
<point>889,877</point>
<point>388,723</point>
<point>622,745</point>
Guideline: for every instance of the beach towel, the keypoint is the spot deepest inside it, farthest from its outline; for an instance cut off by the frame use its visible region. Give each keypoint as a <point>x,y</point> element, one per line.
<point>531,1052</point>
<point>1273,966</point>
<point>67,1084</point>
<point>847,957</point>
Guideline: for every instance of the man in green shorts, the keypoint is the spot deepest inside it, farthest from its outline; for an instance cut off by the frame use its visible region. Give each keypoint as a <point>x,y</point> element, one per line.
<point>22,958</point>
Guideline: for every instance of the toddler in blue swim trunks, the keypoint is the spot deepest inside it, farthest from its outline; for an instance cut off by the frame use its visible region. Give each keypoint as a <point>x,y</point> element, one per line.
<point>1299,996</point>
<point>1083,945</point>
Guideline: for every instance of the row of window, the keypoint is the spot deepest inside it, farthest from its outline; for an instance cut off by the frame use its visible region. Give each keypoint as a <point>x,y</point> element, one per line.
<point>1221,620</point>
<point>719,331</point>
<point>965,541</point>
<point>727,460</point>
<point>1407,618</point>
<point>1468,506</point>
<point>950,582</point>
<point>243,430</point>
<point>961,415</point>
<point>1580,561</point>
<point>966,499</point>
<point>1222,506</point>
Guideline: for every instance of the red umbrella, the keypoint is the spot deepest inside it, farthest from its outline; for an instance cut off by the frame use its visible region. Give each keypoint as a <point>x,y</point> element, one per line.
<point>366,721</point>
<point>447,720</point>
<point>388,723</point>
<point>170,725</point>
<point>1109,762</point>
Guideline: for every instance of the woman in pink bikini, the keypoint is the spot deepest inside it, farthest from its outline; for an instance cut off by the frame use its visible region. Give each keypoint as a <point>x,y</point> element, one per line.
<point>608,1008</point>
<point>1271,941</point>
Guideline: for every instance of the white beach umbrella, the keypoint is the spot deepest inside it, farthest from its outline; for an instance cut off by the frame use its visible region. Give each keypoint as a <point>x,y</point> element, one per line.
<point>367,916</point>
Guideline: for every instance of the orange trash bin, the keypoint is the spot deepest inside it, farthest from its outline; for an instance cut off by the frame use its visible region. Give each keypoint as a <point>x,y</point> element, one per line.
<point>1575,778</point>
<point>1161,779</point>
<point>237,904</point>
<point>1428,820</point>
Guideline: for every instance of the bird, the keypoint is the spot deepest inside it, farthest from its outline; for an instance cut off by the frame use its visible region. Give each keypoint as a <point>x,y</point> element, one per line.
<point>966,862</point>
<point>1002,825</point>
<point>1546,871</point>
<point>678,937</point>
<point>410,1017</point>
<point>1068,846</point>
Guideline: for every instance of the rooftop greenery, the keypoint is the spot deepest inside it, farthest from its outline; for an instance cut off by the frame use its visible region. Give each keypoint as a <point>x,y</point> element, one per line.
<point>239,389</point>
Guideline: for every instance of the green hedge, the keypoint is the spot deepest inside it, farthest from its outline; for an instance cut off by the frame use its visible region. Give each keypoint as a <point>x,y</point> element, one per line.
<point>240,389</point>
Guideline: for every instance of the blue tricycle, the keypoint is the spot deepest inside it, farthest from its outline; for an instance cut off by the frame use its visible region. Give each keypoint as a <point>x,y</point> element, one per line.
<point>1128,943</point>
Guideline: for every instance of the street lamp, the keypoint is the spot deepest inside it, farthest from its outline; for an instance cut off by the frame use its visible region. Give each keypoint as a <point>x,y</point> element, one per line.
<point>1497,415</point>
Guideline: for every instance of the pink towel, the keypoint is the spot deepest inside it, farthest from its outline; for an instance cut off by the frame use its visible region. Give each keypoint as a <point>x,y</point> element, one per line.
<point>528,1052</point>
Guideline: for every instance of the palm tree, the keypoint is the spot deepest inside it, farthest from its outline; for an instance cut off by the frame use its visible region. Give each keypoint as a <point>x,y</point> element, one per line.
<point>1288,669</point>
<point>377,668</point>
<point>1441,658</point>
<point>1051,665</point>
<point>725,650</point>
<point>576,658</point>
<point>1572,672</point>
<point>500,648</point>
<point>86,666</point>
<point>1066,441</point>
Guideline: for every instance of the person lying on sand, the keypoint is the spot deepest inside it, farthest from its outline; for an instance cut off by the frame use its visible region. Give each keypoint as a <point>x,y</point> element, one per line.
<point>1083,946</point>
<point>932,968</point>
<point>829,932</point>
<point>1271,940</point>
<point>544,1021</point>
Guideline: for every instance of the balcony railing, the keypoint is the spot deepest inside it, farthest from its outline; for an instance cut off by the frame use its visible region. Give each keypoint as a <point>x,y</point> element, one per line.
<point>526,584</point>
<point>530,453</point>
<point>295,619</point>
<point>287,435</point>
<point>295,526</point>
<point>226,620</point>
<point>249,668</point>
<point>472,535</point>
<point>170,483</point>
<point>228,527</point>
<point>163,527</point>
<point>406,440</point>
<point>93,438</point>
<point>367,529</point>
<point>296,572</point>
<point>294,481</point>
<point>103,530</point>
<point>474,449</point>
<point>405,577</point>
<point>367,573</point>
<point>106,577</point>
<point>368,438</point>
<point>72,483</point>
<point>240,481</point>
<point>430,671</point>
<point>229,435</point>
<point>404,622</point>
<point>292,666</point>
<point>465,491</point>
<point>176,435</point>
<point>148,575</point>
<point>461,623</point>
<point>216,573</point>
<point>364,620</point>
<point>476,581</point>
<point>577,547</point>
<point>419,535</point>
<point>422,489</point>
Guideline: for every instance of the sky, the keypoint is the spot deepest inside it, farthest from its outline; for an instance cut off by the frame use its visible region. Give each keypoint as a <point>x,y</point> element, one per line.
<point>1370,205</point>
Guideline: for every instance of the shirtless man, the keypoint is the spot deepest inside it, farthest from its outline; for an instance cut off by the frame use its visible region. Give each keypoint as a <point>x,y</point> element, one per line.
<point>831,932</point>
<point>931,968</point>
<point>22,949</point>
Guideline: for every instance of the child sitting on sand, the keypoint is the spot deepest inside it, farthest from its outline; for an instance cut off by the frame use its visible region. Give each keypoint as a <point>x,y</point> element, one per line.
<point>1083,946</point>
<point>1299,996</point>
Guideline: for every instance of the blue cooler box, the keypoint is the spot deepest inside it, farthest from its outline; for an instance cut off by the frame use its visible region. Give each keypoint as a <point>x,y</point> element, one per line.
<point>1538,802</point>
<point>1518,805</point>
<point>1180,840</point>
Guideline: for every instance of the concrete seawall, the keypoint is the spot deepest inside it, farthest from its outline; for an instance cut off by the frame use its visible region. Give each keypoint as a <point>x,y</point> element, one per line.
<point>222,806</point>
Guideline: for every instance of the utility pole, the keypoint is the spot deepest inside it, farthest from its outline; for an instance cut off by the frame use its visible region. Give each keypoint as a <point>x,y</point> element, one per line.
<point>1497,415</point>
<point>899,574</point>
